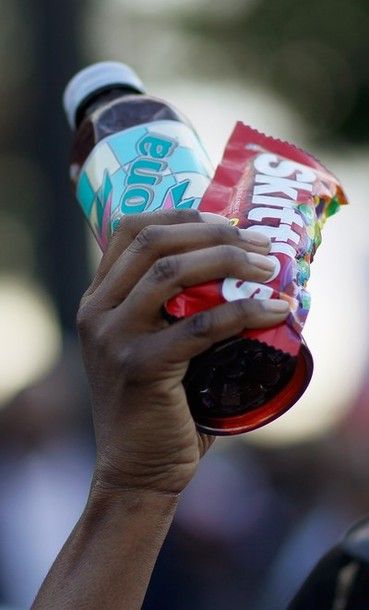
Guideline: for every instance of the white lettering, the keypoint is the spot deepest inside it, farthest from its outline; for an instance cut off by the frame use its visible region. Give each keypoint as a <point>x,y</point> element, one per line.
<point>281,233</point>
<point>269,200</point>
<point>268,164</point>
<point>280,185</point>
<point>276,177</point>
<point>282,248</point>
<point>234,289</point>
<point>306,175</point>
<point>287,215</point>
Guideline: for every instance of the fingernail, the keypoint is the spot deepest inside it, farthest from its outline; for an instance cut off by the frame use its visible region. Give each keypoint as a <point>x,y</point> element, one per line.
<point>254,237</point>
<point>275,305</point>
<point>263,262</point>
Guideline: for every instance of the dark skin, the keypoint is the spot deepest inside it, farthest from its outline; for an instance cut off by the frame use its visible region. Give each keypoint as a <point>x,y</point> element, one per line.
<point>148,447</point>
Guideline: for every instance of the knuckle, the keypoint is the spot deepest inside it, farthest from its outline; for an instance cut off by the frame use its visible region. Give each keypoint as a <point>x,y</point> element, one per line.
<point>122,235</point>
<point>231,255</point>
<point>84,318</point>
<point>232,231</point>
<point>182,216</point>
<point>147,236</point>
<point>101,342</point>
<point>243,307</point>
<point>108,348</point>
<point>165,268</point>
<point>248,310</point>
<point>131,364</point>
<point>126,358</point>
<point>200,325</point>
<point>92,327</point>
<point>126,224</point>
<point>226,233</point>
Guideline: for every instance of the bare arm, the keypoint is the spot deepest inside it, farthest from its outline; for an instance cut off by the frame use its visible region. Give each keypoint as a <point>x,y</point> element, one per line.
<point>148,448</point>
<point>108,559</point>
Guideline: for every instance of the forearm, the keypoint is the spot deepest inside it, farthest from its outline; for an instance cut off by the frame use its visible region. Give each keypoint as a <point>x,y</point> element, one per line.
<point>108,559</point>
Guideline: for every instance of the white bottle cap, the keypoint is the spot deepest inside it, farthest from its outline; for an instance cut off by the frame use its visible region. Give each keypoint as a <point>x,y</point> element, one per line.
<point>95,77</point>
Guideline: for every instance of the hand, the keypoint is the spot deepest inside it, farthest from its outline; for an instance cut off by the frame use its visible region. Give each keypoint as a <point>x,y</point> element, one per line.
<point>136,361</point>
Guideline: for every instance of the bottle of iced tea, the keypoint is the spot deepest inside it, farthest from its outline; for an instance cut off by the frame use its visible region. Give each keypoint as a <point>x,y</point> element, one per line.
<point>132,153</point>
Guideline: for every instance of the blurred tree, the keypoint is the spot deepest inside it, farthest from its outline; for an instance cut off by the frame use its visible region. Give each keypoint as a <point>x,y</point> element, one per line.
<point>62,253</point>
<point>313,53</point>
<point>40,212</point>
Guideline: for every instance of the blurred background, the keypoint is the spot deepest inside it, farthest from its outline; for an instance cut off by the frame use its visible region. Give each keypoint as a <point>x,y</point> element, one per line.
<point>265,506</point>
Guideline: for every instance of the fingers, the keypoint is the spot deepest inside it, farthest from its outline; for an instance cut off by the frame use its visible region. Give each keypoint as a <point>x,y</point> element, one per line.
<point>129,227</point>
<point>161,233</point>
<point>170,275</point>
<point>191,336</point>
<point>156,241</point>
<point>146,357</point>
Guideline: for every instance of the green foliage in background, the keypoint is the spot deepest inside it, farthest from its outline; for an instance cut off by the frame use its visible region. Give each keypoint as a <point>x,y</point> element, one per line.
<point>315,54</point>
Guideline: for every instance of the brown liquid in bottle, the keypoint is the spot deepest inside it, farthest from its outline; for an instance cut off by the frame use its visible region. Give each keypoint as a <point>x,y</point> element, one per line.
<point>111,110</point>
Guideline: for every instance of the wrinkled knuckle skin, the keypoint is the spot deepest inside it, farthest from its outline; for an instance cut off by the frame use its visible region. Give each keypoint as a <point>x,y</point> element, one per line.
<point>147,236</point>
<point>165,268</point>
<point>103,337</point>
<point>182,216</point>
<point>227,233</point>
<point>243,307</point>
<point>106,348</point>
<point>84,319</point>
<point>130,364</point>
<point>126,359</point>
<point>200,325</point>
<point>126,225</point>
<point>248,310</point>
<point>92,327</point>
<point>231,255</point>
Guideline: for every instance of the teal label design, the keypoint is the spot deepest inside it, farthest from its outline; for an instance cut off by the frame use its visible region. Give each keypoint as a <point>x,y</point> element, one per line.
<point>158,165</point>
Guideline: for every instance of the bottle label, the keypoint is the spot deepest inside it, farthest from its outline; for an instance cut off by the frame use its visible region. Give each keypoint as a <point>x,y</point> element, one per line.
<point>157,165</point>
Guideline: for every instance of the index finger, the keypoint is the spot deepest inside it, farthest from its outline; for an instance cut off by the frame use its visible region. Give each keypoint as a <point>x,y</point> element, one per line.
<point>129,227</point>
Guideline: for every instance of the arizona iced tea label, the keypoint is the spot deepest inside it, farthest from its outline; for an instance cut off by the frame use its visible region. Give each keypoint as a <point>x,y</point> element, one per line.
<point>157,165</point>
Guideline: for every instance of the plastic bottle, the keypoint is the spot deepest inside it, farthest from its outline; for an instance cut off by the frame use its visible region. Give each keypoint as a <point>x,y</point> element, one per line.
<point>132,153</point>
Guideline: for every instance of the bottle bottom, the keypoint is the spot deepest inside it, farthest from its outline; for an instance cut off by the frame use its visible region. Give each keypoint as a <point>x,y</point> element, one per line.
<point>236,377</point>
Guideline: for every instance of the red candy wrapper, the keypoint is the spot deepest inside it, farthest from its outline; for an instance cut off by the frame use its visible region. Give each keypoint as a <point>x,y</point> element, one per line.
<point>285,193</point>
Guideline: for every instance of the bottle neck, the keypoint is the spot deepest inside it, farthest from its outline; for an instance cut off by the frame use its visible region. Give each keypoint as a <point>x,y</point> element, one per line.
<point>101,97</point>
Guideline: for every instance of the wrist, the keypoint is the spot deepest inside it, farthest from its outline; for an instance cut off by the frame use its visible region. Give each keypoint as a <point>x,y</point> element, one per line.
<point>148,475</point>
<point>105,496</point>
